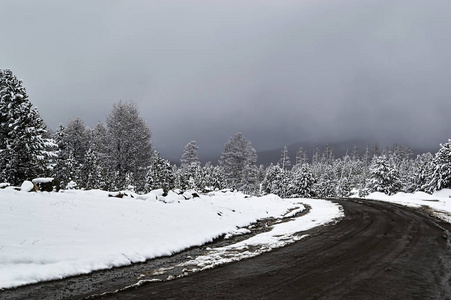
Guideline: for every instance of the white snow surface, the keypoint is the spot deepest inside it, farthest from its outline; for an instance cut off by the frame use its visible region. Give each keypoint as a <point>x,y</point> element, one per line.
<point>439,202</point>
<point>27,186</point>
<point>45,236</point>
<point>42,180</point>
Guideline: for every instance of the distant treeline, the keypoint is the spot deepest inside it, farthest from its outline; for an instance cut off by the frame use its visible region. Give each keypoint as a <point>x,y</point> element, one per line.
<point>119,155</point>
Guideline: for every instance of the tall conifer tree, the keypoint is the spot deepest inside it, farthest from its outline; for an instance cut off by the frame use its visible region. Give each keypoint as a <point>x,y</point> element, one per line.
<point>238,161</point>
<point>25,151</point>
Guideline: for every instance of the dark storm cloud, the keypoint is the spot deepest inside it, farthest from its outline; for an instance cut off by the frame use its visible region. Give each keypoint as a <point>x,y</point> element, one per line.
<point>278,71</point>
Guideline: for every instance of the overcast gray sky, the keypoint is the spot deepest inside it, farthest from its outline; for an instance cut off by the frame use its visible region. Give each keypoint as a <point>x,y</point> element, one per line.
<point>277,71</point>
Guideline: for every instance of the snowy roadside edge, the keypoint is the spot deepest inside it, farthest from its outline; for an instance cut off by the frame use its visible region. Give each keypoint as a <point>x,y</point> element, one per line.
<point>312,217</point>
<point>438,204</point>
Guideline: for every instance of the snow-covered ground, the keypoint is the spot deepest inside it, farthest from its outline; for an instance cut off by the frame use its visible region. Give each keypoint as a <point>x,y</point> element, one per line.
<point>46,236</point>
<point>439,202</point>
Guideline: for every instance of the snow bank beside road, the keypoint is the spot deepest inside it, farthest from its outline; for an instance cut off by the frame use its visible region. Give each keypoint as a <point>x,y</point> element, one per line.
<point>321,212</point>
<point>439,202</point>
<point>47,236</point>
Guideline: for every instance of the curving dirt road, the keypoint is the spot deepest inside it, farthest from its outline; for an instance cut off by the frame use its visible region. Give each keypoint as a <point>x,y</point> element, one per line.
<point>378,251</point>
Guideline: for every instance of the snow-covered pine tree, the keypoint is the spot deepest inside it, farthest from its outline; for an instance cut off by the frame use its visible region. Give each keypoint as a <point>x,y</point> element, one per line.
<point>213,177</point>
<point>316,156</point>
<point>100,142</point>
<point>189,177</point>
<point>346,176</point>
<point>285,162</point>
<point>129,182</point>
<point>326,180</point>
<point>275,181</point>
<point>383,177</point>
<point>73,140</point>
<point>190,155</point>
<point>407,175</point>
<point>355,155</point>
<point>328,156</point>
<point>90,172</point>
<point>441,176</point>
<point>355,170</point>
<point>25,150</point>
<point>130,145</point>
<point>324,171</point>
<point>77,139</point>
<point>301,157</point>
<point>100,145</point>
<point>424,168</point>
<point>401,158</point>
<point>366,159</point>
<point>249,182</point>
<point>302,182</point>
<point>160,174</point>
<point>374,151</point>
<point>238,161</point>
<point>68,171</point>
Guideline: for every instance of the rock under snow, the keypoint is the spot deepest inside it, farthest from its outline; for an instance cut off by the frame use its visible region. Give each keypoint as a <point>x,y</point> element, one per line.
<point>3,185</point>
<point>27,186</point>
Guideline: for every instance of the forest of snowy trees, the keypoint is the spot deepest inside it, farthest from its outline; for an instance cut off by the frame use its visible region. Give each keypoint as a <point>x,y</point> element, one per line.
<point>119,155</point>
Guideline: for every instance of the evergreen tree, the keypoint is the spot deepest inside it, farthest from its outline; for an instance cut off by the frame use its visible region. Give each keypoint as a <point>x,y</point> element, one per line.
<point>129,144</point>
<point>100,146</point>
<point>190,155</point>
<point>60,172</point>
<point>328,155</point>
<point>441,176</point>
<point>374,151</point>
<point>285,162</point>
<point>348,171</point>
<point>238,161</point>
<point>213,177</point>
<point>68,171</point>
<point>77,139</point>
<point>190,174</point>
<point>357,171</point>
<point>25,149</point>
<point>316,157</point>
<point>366,159</point>
<point>302,182</point>
<point>160,175</point>
<point>355,153</point>
<point>276,181</point>
<point>383,177</point>
<point>301,157</point>
<point>324,172</point>
<point>342,169</point>
<point>91,172</point>
<point>424,169</point>
<point>73,141</point>
<point>129,182</point>
<point>190,177</point>
<point>326,184</point>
